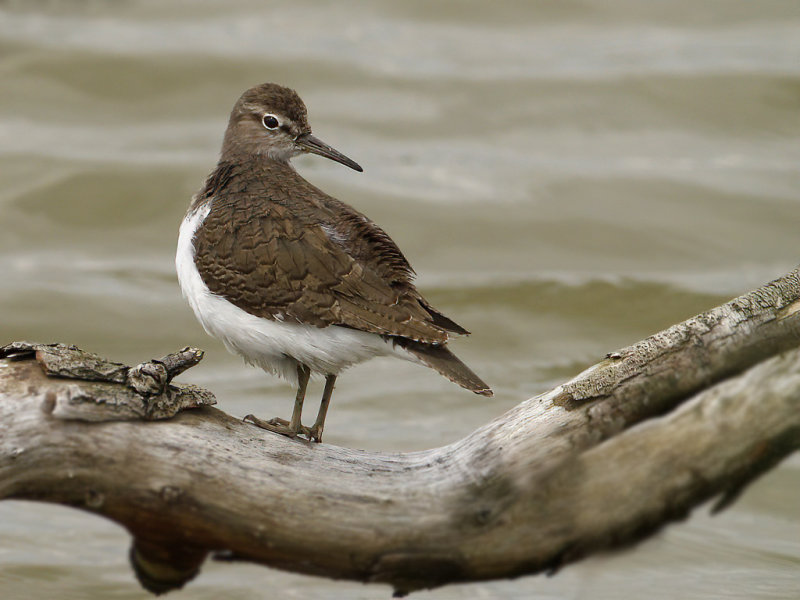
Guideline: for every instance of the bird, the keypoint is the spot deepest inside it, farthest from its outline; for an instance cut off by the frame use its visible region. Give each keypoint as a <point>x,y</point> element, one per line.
<point>292,279</point>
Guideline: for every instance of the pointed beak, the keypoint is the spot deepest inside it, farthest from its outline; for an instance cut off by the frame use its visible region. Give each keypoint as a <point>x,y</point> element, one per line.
<point>313,144</point>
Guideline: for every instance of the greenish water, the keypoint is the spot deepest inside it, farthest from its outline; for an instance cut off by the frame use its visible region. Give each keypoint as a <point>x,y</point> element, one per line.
<point>566,178</point>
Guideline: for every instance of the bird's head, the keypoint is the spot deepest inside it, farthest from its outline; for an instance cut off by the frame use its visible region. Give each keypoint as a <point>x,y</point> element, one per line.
<point>271,120</point>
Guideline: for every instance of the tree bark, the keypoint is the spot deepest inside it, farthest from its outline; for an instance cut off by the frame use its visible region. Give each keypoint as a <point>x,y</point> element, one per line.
<point>632,443</point>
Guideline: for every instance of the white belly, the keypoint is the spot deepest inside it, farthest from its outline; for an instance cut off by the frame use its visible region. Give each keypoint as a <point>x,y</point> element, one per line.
<point>274,346</point>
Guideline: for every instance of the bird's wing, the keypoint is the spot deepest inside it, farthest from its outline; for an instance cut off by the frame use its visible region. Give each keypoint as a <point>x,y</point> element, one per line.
<point>274,266</point>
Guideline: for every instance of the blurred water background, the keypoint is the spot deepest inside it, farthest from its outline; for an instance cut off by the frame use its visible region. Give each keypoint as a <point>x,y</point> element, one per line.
<point>566,177</point>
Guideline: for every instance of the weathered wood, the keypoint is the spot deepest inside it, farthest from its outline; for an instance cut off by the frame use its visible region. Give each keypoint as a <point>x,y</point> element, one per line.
<point>110,391</point>
<point>691,413</point>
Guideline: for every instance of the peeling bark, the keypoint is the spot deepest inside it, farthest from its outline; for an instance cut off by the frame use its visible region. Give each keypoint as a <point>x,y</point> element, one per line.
<point>694,412</point>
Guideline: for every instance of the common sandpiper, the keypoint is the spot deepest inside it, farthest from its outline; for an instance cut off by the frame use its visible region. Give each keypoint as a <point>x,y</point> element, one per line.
<point>292,279</point>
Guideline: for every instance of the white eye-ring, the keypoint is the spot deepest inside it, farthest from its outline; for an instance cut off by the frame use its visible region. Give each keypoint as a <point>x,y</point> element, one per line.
<point>270,121</point>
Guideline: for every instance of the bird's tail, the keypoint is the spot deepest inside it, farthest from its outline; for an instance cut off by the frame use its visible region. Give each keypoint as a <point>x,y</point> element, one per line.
<point>439,358</point>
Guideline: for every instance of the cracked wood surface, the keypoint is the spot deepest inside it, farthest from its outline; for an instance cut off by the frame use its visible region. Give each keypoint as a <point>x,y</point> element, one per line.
<point>634,442</point>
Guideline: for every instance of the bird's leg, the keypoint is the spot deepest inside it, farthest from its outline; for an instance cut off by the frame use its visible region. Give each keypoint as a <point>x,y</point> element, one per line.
<point>294,427</point>
<point>315,434</point>
<point>303,374</point>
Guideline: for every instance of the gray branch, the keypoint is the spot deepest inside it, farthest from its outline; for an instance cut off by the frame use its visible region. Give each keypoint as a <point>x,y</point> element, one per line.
<point>692,413</point>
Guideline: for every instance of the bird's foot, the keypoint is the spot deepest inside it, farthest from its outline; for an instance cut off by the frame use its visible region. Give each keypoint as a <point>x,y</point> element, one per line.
<point>281,426</point>
<point>315,433</point>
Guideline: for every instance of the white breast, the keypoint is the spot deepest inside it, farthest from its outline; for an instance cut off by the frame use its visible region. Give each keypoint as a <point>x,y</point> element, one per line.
<point>274,346</point>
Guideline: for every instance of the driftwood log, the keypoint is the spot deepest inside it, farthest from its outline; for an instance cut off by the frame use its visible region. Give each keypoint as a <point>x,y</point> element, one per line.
<point>694,412</point>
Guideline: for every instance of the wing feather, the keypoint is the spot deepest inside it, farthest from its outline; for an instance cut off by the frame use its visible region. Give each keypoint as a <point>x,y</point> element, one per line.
<point>273,267</point>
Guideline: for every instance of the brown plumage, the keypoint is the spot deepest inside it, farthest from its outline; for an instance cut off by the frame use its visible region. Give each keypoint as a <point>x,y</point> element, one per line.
<point>274,245</point>
<point>280,249</point>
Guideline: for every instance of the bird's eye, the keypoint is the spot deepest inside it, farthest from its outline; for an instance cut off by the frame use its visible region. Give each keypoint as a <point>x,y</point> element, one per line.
<point>270,121</point>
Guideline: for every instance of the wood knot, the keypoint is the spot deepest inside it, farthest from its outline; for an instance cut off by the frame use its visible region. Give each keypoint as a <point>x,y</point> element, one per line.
<point>94,499</point>
<point>148,379</point>
<point>170,494</point>
<point>483,516</point>
<point>49,402</point>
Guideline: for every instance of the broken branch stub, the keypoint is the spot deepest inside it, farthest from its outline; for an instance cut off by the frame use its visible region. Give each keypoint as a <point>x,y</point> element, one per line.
<point>96,389</point>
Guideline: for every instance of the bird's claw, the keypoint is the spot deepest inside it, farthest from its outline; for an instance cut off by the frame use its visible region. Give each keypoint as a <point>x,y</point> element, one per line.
<point>315,434</point>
